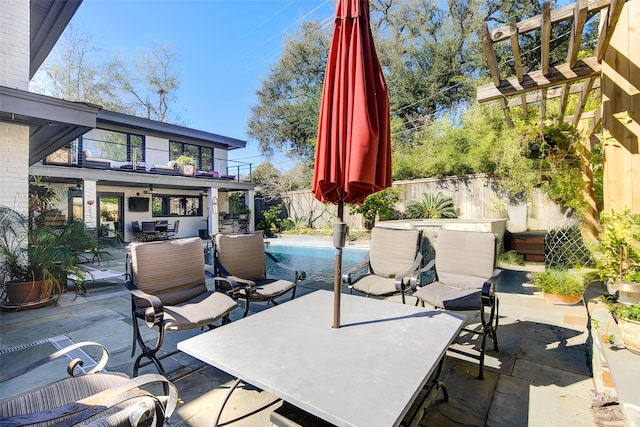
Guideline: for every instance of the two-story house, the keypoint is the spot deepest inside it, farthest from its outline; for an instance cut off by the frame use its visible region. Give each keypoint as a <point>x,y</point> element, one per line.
<point>115,168</point>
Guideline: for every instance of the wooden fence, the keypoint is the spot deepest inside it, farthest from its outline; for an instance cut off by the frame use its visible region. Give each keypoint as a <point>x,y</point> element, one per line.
<point>475,197</point>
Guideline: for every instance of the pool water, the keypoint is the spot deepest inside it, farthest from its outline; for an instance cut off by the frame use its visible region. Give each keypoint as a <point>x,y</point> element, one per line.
<point>318,261</point>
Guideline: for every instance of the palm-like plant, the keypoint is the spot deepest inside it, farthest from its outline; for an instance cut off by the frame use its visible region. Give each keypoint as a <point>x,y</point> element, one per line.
<point>432,206</point>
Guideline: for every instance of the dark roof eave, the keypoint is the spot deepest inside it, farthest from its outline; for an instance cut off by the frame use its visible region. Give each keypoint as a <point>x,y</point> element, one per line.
<point>151,127</point>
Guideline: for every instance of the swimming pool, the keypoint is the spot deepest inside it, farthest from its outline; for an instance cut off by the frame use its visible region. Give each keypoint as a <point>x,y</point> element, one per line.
<point>318,261</point>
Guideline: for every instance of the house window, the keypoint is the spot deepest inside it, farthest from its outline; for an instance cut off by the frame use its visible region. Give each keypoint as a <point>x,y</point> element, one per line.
<point>176,205</point>
<point>203,155</point>
<point>111,145</point>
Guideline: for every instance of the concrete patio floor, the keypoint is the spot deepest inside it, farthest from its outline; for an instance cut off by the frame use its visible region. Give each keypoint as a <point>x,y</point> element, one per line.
<point>540,375</point>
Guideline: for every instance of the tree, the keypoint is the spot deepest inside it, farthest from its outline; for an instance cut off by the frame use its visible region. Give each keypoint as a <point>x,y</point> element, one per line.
<point>148,83</point>
<point>71,71</point>
<point>378,205</point>
<point>286,115</point>
<point>145,86</point>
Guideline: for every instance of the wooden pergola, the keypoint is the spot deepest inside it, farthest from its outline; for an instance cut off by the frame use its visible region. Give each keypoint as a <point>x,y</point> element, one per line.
<point>614,69</point>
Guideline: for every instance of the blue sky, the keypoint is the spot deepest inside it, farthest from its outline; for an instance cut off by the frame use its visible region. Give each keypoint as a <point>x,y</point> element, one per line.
<point>225,48</point>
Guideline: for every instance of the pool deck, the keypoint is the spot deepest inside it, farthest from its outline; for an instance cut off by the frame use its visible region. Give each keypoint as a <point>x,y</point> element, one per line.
<point>540,376</point>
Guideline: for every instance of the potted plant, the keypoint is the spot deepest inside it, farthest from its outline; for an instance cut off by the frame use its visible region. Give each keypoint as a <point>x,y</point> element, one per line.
<point>186,165</point>
<point>618,255</point>
<point>563,287</point>
<point>36,257</point>
<point>628,319</point>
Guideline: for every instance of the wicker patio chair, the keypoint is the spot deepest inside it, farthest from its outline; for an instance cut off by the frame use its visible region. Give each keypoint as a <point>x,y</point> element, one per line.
<point>241,258</point>
<point>465,281</point>
<point>96,398</point>
<point>168,292</point>
<point>392,263</point>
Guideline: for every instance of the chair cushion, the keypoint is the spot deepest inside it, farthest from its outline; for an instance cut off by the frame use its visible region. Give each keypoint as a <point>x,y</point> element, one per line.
<point>392,252</point>
<point>271,288</point>
<point>446,297</point>
<point>64,392</point>
<point>242,255</point>
<point>465,259</point>
<point>376,285</point>
<point>173,270</point>
<point>200,311</point>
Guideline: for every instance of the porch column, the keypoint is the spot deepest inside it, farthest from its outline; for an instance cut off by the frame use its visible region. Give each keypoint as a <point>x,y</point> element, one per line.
<point>213,218</point>
<point>251,194</point>
<point>90,197</point>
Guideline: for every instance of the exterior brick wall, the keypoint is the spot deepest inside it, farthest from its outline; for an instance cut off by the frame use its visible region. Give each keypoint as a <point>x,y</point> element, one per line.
<point>14,169</point>
<point>14,73</point>
<point>14,43</point>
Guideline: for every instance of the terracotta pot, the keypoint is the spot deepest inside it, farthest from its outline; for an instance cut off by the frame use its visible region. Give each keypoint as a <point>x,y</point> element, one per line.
<point>562,299</point>
<point>630,334</point>
<point>28,292</point>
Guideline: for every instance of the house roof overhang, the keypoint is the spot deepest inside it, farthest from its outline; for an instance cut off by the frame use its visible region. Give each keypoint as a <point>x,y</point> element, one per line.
<point>112,120</point>
<point>49,18</point>
<point>52,122</point>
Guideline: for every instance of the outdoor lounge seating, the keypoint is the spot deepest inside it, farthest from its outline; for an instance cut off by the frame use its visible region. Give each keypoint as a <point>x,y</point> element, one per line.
<point>241,258</point>
<point>168,292</point>
<point>94,162</point>
<point>94,398</point>
<point>393,262</point>
<point>169,169</point>
<point>465,280</point>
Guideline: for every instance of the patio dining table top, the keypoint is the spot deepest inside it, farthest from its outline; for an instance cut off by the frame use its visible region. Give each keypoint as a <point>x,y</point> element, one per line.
<point>366,373</point>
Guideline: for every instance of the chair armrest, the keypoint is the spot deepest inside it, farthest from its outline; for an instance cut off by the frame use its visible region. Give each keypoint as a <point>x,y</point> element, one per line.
<point>154,314</point>
<point>414,281</point>
<point>346,275</point>
<point>298,274</point>
<point>72,365</point>
<point>400,280</point>
<point>488,291</point>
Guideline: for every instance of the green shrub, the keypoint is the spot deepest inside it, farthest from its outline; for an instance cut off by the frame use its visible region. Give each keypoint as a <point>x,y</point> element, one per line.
<point>432,206</point>
<point>511,257</point>
<point>559,282</point>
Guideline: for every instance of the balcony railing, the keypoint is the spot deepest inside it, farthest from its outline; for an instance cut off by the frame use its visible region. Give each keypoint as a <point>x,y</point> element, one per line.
<point>117,157</point>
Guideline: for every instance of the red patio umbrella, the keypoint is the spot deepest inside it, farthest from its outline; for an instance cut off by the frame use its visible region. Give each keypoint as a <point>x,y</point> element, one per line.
<point>353,155</point>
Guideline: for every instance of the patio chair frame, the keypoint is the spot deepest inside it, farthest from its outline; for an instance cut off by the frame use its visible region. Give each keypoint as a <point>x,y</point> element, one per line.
<point>488,301</point>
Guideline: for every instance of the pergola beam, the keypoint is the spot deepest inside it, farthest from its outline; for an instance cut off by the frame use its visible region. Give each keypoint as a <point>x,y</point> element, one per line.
<point>582,101</point>
<point>545,47</point>
<point>557,15</point>
<point>606,32</point>
<point>556,92</point>
<point>585,68</point>
<point>579,20</point>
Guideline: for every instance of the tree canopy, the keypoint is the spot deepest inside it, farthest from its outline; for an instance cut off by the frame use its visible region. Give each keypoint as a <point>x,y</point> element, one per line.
<point>145,85</point>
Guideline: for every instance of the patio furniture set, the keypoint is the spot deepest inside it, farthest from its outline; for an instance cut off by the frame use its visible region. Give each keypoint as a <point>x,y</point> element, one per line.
<point>154,230</point>
<point>303,357</point>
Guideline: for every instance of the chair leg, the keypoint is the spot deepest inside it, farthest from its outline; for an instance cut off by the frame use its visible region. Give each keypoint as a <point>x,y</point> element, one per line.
<point>489,327</point>
<point>147,352</point>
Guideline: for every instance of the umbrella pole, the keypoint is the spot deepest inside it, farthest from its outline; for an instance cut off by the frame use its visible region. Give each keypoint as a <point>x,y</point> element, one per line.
<point>339,234</point>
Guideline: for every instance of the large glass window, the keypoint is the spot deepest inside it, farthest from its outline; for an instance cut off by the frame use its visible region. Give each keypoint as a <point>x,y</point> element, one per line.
<point>202,155</point>
<point>111,145</point>
<point>176,205</point>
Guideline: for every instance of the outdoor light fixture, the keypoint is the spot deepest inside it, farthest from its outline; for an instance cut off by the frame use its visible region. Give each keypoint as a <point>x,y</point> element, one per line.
<point>150,190</point>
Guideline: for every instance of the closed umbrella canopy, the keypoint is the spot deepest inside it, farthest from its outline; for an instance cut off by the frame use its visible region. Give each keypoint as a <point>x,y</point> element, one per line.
<point>353,155</point>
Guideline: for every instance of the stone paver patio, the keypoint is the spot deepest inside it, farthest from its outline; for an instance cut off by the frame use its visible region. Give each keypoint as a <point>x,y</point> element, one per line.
<point>539,377</point>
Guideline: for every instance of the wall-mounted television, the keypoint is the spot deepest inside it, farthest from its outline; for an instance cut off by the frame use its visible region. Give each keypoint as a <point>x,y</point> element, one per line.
<point>138,204</point>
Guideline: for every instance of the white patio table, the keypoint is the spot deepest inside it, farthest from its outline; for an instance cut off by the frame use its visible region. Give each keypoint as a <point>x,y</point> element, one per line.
<point>366,373</point>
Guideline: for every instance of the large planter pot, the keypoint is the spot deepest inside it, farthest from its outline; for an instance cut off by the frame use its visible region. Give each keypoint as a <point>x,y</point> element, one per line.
<point>562,299</point>
<point>630,334</point>
<point>28,292</point>
<point>628,292</point>
<point>187,169</point>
